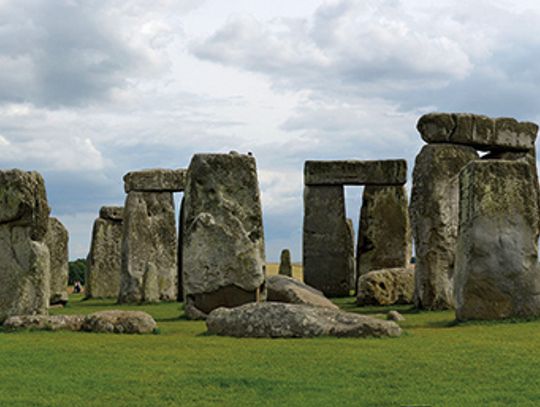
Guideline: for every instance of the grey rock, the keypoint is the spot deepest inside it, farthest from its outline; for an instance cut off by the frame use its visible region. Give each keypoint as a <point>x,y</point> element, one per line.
<point>285,266</point>
<point>223,239</point>
<point>497,270</point>
<point>384,235</point>
<point>354,172</point>
<point>148,247</point>
<point>327,245</point>
<point>155,180</point>
<point>386,287</point>
<point>45,322</point>
<point>280,320</point>
<point>104,259</point>
<point>289,290</point>
<point>121,322</point>
<point>434,212</point>
<point>56,240</point>
<point>481,132</point>
<point>395,316</point>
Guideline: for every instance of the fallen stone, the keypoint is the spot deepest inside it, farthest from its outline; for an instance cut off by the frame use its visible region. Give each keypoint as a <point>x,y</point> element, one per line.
<point>285,266</point>
<point>45,322</point>
<point>155,180</point>
<point>56,240</point>
<point>497,270</point>
<point>120,322</point>
<point>434,212</point>
<point>395,316</point>
<point>289,290</point>
<point>480,132</point>
<point>280,320</point>
<point>223,241</point>
<point>352,172</point>
<point>386,287</point>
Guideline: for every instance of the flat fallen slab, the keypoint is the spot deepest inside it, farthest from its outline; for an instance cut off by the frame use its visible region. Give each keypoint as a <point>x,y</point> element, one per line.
<point>155,180</point>
<point>481,132</point>
<point>355,172</point>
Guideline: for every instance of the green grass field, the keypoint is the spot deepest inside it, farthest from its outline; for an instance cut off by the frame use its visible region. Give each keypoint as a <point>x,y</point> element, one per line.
<point>434,363</point>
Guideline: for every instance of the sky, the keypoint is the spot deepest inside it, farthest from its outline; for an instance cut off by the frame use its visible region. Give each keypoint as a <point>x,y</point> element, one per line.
<point>92,89</point>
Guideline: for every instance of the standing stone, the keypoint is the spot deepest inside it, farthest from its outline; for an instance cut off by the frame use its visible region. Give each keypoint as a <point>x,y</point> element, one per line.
<point>180,296</point>
<point>149,252</point>
<point>103,262</point>
<point>57,243</point>
<point>434,216</point>
<point>327,241</point>
<point>24,256</point>
<point>285,266</point>
<point>223,251</point>
<point>497,270</point>
<point>384,235</point>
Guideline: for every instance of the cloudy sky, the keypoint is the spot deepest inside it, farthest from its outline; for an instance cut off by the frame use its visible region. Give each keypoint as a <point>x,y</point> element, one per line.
<point>91,89</point>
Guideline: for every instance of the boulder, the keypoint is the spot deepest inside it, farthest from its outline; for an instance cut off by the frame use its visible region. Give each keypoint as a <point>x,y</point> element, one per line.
<point>289,290</point>
<point>386,287</point>
<point>285,266</point>
<point>280,320</point>
<point>120,322</point>
<point>354,172</point>
<point>384,233</point>
<point>395,316</point>
<point>103,262</point>
<point>24,256</point>
<point>155,180</point>
<point>56,240</point>
<point>45,322</point>
<point>497,270</point>
<point>149,249</point>
<point>434,213</point>
<point>327,245</point>
<point>480,132</point>
<point>223,240</point>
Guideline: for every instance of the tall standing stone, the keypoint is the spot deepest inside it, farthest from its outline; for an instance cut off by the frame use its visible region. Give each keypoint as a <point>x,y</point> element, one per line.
<point>497,270</point>
<point>24,256</point>
<point>57,243</point>
<point>384,234</point>
<point>434,214</point>
<point>285,266</point>
<point>223,250</point>
<point>103,262</point>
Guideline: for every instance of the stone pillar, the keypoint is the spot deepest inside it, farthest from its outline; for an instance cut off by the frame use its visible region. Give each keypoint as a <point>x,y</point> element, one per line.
<point>285,266</point>
<point>497,271</point>
<point>24,256</point>
<point>384,234</point>
<point>103,262</point>
<point>57,242</point>
<point>223,250</point>
<point>327,241</point>
<point>180,249</point>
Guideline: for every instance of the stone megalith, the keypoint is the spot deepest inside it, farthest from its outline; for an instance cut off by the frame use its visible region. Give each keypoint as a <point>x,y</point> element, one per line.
<point>285,266</point>
<point>24,256</point>
<point>223,240</point>
<point>57,242</point>
<point>103,262</point>
<point>497,270</point>
<point>384,233</point>
<point>434,212</point>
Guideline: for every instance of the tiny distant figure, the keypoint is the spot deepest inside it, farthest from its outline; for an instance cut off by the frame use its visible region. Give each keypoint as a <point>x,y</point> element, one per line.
<point>77,287</point>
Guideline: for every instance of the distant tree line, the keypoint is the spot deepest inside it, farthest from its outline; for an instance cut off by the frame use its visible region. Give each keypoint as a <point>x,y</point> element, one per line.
<point>77,271</point>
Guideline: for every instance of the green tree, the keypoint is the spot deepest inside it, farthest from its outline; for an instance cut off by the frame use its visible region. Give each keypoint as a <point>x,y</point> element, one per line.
<point>77,271</point>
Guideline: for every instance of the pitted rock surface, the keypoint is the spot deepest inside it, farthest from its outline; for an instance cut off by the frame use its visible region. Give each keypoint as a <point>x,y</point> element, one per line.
<point>289,290</point>
<point>386,287</point>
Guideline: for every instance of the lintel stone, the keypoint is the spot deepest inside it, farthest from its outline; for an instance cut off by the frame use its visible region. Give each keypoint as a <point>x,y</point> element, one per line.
<point>155,180</point>
<point>355,172</point>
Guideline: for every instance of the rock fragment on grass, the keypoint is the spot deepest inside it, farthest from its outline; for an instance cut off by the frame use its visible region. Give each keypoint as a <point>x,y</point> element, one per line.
<point>289,290</point>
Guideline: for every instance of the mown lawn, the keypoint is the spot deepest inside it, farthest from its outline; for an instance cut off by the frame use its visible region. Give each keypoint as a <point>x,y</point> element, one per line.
<point>434,363</point>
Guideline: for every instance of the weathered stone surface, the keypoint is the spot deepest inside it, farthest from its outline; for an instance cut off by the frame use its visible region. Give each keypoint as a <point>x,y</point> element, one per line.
<point>395,316</point>
<point>434,213</point>
<point>103,262</point>
<point>180,247</point>
<point>149,251</point>
<point>285,266</point>
<point>155,180</point>
<point>386,287</point>
<point>354,172</point>
<point>287,289</point>
<point>497,270</point>
<point>384,233</point>
<point>481,132</point>
<point>24,257</point>
<point>280,320</point>
<point>45,322</point>
<point>327,241</point>
<point>351,258</point>
<point>56,240</point>
<point>120,322</point>
<point>223,251</point>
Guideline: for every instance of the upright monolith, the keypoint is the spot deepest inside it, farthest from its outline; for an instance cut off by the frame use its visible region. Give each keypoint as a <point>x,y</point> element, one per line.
<point>285,266</point>
<point>57,243</point>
